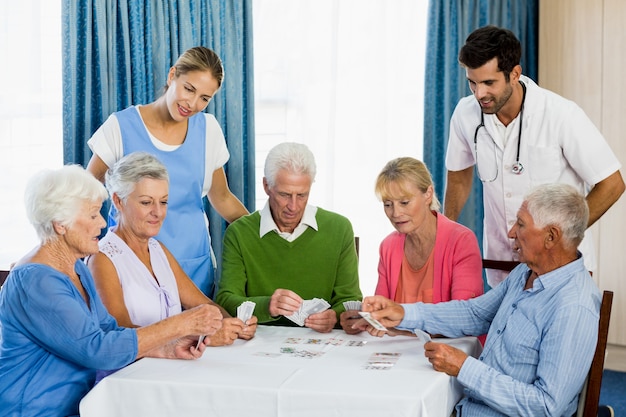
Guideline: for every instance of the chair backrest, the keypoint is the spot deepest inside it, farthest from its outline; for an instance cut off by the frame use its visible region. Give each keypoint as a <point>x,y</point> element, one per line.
<point>500,265</point>
<point>3,276</point>
<point>590,394</point>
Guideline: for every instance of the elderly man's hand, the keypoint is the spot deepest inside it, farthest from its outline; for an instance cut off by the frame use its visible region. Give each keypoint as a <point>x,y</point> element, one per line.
<point>387,312</point>
<point>347,319</point>
<point>323,322</point>
<point>284,303</point>
<point>445,358</point>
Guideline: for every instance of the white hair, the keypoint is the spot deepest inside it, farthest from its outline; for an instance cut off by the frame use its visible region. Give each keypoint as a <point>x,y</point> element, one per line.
<point>560,205</point>
<point>57,196</point>
<point>294,157</point>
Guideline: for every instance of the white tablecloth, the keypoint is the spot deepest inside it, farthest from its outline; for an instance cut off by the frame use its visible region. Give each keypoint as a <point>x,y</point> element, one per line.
<point>253,378</point>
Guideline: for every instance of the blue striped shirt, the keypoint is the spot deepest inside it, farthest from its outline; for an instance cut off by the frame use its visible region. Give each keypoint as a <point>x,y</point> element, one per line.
<point>539,346</point>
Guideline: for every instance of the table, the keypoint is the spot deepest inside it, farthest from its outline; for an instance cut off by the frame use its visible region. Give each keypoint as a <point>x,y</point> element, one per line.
<point>325,374</point>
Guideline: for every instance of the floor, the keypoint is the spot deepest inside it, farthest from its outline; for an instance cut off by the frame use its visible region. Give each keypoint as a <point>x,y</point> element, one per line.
<point>615,358</point>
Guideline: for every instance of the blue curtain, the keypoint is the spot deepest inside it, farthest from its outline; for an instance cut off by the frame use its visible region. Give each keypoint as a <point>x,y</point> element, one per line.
<point>117,53</point>
<point>449,24</point>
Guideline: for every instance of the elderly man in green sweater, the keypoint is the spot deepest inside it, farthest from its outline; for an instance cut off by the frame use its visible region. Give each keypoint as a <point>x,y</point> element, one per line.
<point>289,251</point>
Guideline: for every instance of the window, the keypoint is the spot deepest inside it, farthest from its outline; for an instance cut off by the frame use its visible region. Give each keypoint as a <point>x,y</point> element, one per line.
<point>343,76</point>
<point>31,108</point>
<point>346,78</point>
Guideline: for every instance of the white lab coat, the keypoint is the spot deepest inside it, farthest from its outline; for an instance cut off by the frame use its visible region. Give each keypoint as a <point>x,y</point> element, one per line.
<point>559,144</point>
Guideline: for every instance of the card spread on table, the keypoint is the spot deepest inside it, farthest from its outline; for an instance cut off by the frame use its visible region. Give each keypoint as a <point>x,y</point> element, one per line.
<point>307,308</point>
<point>245,310</point>
<point>309,347</point>
<point>335,341</point>
<point>381,361</point>
<point>301,353</point>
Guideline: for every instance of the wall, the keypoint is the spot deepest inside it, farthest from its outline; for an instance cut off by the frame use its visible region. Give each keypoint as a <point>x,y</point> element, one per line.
<point>581,56</point>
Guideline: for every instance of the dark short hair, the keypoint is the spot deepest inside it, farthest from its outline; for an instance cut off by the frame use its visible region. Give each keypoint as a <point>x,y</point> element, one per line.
<point>488,42</point>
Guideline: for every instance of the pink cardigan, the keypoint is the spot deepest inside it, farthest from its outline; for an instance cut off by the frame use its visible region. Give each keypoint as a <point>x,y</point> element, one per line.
<point>457,263</point>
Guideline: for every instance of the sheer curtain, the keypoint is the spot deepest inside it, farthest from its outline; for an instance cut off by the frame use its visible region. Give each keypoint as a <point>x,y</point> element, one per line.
<point>30,112</point>
<point>344,77</point>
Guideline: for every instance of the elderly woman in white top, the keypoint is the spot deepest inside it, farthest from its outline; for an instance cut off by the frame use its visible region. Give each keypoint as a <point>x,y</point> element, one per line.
<point>136,276</point>
<point>54,330</point>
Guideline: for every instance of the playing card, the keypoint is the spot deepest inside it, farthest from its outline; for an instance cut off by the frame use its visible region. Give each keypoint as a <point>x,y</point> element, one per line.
<point>307,308</point>
<point>352,305</point>
<point>313,306</point>
<point>245,310</point>
<point>375,323</point>
<point>297,318</point>
<point>334,341</point>
<point>200,339</point>
<point>382,361</point>
<point>267,354</point>
<point>422,336</point>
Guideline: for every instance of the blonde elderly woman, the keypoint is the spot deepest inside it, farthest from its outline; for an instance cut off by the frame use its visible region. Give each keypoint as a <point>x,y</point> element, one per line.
<point>428,258</point>
<point>55,331</point>
<point>137,277</point>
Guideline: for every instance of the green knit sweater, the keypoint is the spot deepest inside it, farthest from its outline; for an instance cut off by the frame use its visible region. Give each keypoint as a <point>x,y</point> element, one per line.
<point>320,264</point>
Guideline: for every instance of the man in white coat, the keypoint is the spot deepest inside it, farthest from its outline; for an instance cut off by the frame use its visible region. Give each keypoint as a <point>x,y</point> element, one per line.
<point>519,135</point>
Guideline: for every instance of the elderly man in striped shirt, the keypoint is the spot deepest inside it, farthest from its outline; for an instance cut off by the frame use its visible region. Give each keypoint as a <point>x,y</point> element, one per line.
<point>542,321</point>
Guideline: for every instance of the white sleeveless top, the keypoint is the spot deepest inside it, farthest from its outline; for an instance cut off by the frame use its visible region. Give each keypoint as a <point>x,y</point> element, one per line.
<point>147,300</point>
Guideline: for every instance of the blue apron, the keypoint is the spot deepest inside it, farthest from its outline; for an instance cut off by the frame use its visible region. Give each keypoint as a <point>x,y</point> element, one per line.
<point>184,231</point>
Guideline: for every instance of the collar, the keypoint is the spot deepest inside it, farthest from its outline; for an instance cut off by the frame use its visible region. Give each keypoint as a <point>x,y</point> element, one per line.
<point>559,276</point>
<point>268,224</point>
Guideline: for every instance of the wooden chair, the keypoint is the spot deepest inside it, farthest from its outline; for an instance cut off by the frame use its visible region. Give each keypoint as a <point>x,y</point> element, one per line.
<point>3,276</point>
<point>590,394</point>
<point>500,265</point>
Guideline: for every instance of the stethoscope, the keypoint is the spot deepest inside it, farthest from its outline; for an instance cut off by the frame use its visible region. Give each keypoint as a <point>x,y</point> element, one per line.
<point>517,167</point>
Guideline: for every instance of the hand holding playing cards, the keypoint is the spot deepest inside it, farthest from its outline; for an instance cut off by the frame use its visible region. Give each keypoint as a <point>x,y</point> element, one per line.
<point>387,312</point>
<point>249,329</point>
<point>202,319</point>
<point>347,319</point>
<point>244,313</point>
<point>183,348</point>
<point>323,322</point>
<point>231,328</point>
<point>284,303</point>
<point>241,327</point>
